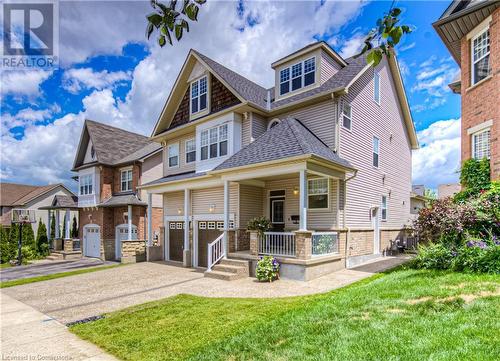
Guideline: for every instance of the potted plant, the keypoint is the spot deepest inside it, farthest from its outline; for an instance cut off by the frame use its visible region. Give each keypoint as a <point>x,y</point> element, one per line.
<point>259,224</point>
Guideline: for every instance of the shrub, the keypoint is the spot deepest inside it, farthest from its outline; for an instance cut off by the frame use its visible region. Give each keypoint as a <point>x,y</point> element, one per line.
<point>28,253</point>
<point>5,246</point>
<point>42,242</point>
<point>433,256</point>
<point>74,228</point>
<point>261,224</point>
<point>268,269</point>
<point>474,178</point>
<point>29,237</point>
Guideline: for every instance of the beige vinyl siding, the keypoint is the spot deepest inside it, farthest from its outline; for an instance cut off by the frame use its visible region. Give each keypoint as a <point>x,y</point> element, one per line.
<point>259,125</point>
<point>246,130</point>
<point>316,219</point>
<point>393,177</point>
<point>172,203</point>
<point>202,199</point>
<point>183,167</point>
<point>152,169</point>
<point>251,203</point>
<point>319,118</point>
<point>328,67</point>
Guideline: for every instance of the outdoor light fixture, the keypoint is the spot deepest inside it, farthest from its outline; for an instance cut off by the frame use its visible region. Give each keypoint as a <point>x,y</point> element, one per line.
<point>179,211</point>
<point>212,208</point>
<point>295,191</point>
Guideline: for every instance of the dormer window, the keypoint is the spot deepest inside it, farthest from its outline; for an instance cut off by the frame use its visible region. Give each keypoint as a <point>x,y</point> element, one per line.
<point>199,95</point>
<point>298,76</point>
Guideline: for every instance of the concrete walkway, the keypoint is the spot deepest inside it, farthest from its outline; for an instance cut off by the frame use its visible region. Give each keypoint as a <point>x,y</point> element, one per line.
<point>74,298</point>
<point>49,267</point>
<point>30,335</point>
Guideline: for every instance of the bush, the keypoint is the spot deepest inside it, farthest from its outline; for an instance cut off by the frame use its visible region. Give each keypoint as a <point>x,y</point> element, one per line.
<point>433,256</point>
<point>42,242</point>
<point>28,253</point>
<point>5,246</point>
<point>261,224</point>
<point>268,269</point>
<point>474,178</point>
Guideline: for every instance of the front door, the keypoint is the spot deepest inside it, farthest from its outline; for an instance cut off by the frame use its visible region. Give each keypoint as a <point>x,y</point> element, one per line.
<point>376,230</point>
<point>175,240</point>
<point>208,231</point>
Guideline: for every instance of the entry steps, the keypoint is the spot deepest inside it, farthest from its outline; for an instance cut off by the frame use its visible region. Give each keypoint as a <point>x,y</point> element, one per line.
<point>62,255</point>
<point>229,270</point>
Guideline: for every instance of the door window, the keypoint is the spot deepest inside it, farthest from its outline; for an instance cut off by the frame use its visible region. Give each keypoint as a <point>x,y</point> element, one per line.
<point>278,211</point>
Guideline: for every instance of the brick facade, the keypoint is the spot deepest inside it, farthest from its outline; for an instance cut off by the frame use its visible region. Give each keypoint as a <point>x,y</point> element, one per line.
<point>481,102</point>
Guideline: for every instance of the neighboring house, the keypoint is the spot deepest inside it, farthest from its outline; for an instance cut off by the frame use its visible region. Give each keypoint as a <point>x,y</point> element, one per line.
<point>111,163</point>
<point>448,190</point>
<point>418,200</point>
<point>325,154</point>
<point>24,196</point>
<point>471,32</point>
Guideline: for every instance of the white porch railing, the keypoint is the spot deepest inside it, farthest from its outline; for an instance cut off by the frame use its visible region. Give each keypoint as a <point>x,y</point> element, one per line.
<point>215,251</point>
<point>324,243</point>
<point>277,244</point>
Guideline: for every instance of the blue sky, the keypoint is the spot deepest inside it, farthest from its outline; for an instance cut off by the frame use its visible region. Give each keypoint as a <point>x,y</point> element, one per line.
<point>111,74</point>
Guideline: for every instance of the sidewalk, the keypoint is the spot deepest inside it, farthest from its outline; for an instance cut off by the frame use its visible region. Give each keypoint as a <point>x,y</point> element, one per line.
<point>27,334</point>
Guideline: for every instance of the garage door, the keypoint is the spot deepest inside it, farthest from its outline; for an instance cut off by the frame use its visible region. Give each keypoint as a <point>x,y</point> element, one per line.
<point>92,246</point>
<point>175,240</point>
<point>121,235</point>
<point>208,231</point>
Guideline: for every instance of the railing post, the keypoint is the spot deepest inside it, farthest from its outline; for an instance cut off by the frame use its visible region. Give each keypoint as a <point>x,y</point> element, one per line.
<point>226,217</point>
<point>209,257</point>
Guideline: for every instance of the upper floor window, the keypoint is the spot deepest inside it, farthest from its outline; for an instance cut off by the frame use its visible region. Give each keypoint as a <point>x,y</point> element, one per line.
<point>318,193</point>
<point>214,142</point>
<point>173,155</point>
<point>190,150</point>
<point>92,152</point>
<point>126,180</point>
<point>199,95</point>
<point>297,76</point>
<point>376,87</point>
<point>384,208</point>
<point>481,67</point>
<point>347,116</point>
<point>86,184</point>
<point>376,151</point>
<point>481,144</point>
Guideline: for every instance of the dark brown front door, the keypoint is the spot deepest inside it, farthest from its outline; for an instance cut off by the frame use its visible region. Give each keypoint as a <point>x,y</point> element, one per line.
<point>175,240</point>
<point>208,231</point>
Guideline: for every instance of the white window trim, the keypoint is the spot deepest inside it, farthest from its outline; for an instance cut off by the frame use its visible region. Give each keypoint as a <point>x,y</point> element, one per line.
<point>473,143</point>
<point>275,120</point>
<point>386,208</point>
<point>168,155</point>
<point>472,63</point>
<point>327,198</point>
<point>302,77</point>
<point>199,111</point>
<point>376,74</point>
<point>186,151</point>
<point>349,129</point>
<point>123,170</point>
<point>218,126</point>
<point>483,126</point>
<point>378,151</point>
<point>92,178</point>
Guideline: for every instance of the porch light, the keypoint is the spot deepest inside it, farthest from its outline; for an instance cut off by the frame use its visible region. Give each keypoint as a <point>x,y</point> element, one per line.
<point>212,208</point>
<point>296,191</point>
<point>179,211</point>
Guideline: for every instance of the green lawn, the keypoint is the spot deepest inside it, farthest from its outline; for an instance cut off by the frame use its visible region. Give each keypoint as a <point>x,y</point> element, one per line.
<point>23,281</point>
<point>402,315</point>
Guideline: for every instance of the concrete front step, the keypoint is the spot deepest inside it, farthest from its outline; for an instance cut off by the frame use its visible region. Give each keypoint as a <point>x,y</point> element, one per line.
<point>234,262</point>
<point>231,269</point>
<point>62,255</point>
<point>226,276</point>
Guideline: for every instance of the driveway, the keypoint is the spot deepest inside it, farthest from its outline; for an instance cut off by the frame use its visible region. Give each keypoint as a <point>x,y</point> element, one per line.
<point>76,297</point>
<point>49,267</point>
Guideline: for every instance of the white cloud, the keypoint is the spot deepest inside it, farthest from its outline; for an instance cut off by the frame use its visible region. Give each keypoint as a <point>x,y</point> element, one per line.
<point>353,45</point>
<point>76,79</point>
<point>438,159</point>
<point>407,47</point>
<point>23,83</point>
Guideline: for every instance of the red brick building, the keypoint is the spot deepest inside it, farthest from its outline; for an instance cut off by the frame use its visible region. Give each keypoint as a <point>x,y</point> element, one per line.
<point>111,164</point>
<point>471,31</point>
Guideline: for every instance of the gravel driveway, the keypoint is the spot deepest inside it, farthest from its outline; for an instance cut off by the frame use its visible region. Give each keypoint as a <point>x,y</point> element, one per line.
<point>76,297</point>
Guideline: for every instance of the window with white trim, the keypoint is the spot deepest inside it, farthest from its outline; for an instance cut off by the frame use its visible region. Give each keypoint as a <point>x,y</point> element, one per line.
<point>384,208</point>
<point>190,150</point>
<point>126,180</point>
<point>199,89</point>
<point>481,144</point>
<point>214,142</point>
<point>173,155</point>
<point>376,87</point>
<point>318,193</point>
<point>376,151</point>
<point>298,76</point>
<point>86,184</point>
<point>480,51</point>
<point>347,116</point>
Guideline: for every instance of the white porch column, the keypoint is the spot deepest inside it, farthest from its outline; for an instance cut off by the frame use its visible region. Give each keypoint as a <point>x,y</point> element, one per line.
<point>150,219</point>
<point>186,219</point>
<point>68,224</point>
<point>226,217</point>
<point>49,213</point>
<point>57,224</point>
<point>129,216</point>
<point>303,200</point>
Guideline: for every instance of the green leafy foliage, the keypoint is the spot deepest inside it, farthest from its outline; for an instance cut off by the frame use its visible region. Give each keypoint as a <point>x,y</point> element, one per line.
<point>53,226</point>
<point>382,39</point>
<point>474,178</point>
<point>268,269</point>
<point>169,21</point>
<point>13,240</point>
<point>74,228</point>
<point>42,242</point>
<point>63,233</point>
<point>261,224</point>
<point>5,246</point>
<point>29,237</point>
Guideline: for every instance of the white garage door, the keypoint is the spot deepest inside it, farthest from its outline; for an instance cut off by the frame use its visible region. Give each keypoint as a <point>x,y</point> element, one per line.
<point>92,246</point>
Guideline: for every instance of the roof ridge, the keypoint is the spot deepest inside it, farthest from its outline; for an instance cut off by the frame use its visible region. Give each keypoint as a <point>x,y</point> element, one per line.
<point>310,131</point>
<point>114,128</point>
<point>299,141</point>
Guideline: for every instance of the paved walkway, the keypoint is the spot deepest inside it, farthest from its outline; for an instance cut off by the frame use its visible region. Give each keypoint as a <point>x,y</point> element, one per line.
<point>49,267</point>
<point>73,298</point>
<point>30,335</point>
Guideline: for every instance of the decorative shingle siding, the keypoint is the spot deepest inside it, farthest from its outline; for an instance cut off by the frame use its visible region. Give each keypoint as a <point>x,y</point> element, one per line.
<point>182,114</point>
<point>394,173</point>
<point>222,98</point>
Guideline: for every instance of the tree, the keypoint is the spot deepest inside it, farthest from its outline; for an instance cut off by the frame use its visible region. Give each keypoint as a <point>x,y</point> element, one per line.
<point>29,236</point>
<point>170,22</point>
<point>74,228</point>
<point>53,226</point>
<point>429,193</point>
<point>13,239</point>
<point>63,234</point>
<point>42,242</point>
<point>5,246</point>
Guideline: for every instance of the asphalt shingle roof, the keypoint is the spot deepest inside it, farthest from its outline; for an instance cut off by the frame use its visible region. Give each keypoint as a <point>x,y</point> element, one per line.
<point>288,139</point>
<point>13,194</point>
<point>122,200</point>
<point>175,177</point>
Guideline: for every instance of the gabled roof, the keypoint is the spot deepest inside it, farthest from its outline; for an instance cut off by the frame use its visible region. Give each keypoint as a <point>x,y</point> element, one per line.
<point>122,200</point>
<point>13,194</point>
<point>63,202</point>
<point>290,138</point>
<point>308,48</point>
<point>112,145</point>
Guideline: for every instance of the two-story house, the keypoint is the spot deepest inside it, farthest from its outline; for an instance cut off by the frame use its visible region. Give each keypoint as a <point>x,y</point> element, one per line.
<point>325,155</point>
<point>114,218</point>
<point>471,32</point>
